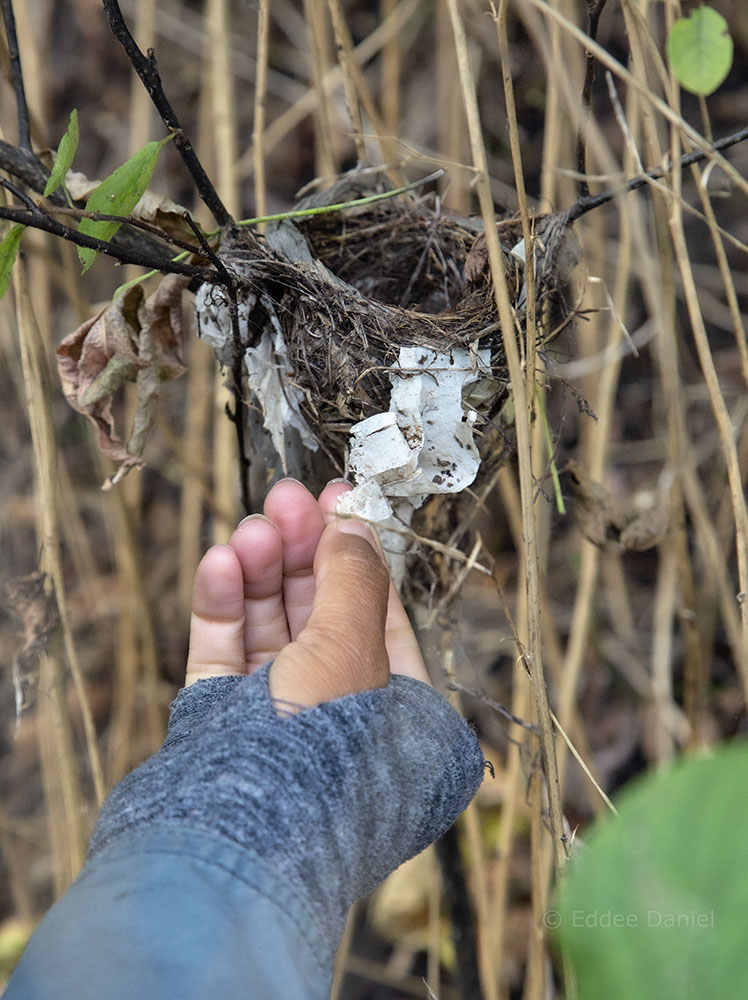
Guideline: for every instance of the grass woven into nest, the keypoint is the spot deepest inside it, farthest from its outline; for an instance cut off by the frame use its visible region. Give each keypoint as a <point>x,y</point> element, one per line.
<point>353,286</point>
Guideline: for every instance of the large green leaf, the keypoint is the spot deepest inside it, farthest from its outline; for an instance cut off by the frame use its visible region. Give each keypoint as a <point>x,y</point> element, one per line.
<point>118,194</point>
<point>65,155</point>
<point>655,906</point>
<point>8,251</point>
<point>699,48</point>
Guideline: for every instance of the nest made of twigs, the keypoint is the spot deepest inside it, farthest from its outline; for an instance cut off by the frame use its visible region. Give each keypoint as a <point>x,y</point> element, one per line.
<point>349,288</point>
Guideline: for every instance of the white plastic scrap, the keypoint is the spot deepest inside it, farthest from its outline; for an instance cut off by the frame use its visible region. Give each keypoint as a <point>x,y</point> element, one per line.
<point>270,380</point>
<point>424,443</point>
<point>270,373</point>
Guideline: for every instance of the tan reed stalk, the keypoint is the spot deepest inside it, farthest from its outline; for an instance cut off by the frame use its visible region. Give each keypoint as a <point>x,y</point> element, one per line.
<point>531,653</point>
<point>657,103</point>
<point>433,948</point>
<point>451,133</point>
<point>470,822</point>
<point>223,126</point>
<point>515,781</point>
<point>258,130</point>
<point>139,652</point>
<point>201,366</point>
<point>346,62</point>
<point>286,122</point>
<point>390,77</point>
<point>357,90</point>
<point>59,770</point>
<point>326,160</point>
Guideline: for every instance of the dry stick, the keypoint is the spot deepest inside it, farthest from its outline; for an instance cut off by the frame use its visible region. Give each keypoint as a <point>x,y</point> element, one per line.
<point>658,295</point>
<point>38,384</point>
<point>594,11</point>
<point>451,134</point>
<point>724,270</point>
<point>516,785</point>
<point>361,92</point>
<point>433,948</point>
<point>540,878</point>
<point>258,131</point>
<point>390,75</point>
<point>597,444</point>
<point>676,546</point>
<point>59,765</point>
<point>140,105</point>
<point>532,655</point>
<point>326,162</point>
<point>38,219</point>
<point>721,414</point>
<point>345,59</point>
<point>223,124</point>
<point>145,67</point>
<point>123,748</point>
<point>719,407</point>
<point>708,150</point>
<point>365,50</point>
<point>553,126</point>
<point>16,72</point>
<point>471,823</point>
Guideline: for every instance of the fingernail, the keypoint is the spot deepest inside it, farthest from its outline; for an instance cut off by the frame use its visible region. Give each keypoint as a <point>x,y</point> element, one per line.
<point>353,526</point>
<point>333,482</point>
<point>251,517</point>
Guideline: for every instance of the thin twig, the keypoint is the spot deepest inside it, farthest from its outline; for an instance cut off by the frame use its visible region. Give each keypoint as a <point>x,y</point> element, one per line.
<point>584,205</point>
<point>145,67</point>
<point>594,10</point>
<point>38,220</point>
<point>16,72</point>
<point>128,220</point>
<point>496,706</point>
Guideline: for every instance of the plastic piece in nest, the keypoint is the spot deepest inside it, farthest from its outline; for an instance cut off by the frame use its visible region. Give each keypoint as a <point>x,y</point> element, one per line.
<point>270,380</point>
<point>424,444</point>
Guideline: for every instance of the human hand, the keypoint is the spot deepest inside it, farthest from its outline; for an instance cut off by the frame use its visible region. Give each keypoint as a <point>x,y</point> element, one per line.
<point>307,590</point>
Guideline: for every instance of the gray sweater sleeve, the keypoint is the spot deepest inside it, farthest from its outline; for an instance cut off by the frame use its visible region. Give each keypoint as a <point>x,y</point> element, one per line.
<point>332,799</point>
<point>224,866</point>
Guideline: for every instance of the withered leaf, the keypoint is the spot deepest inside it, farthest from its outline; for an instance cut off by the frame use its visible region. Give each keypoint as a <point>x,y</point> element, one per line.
<point>637,524</point>
<point>133,339</point>
<point>36,610</point>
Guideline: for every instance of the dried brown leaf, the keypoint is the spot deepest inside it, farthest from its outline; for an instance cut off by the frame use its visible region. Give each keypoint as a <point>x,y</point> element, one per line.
<point>36,610</point>
<point>133,339</point>
<point>636,524</point>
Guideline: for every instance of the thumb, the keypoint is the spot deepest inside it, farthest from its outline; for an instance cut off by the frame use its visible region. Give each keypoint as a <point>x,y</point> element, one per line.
<point>342,648</point>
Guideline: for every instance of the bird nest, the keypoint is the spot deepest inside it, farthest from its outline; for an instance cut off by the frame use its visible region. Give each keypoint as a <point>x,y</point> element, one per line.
<point>347,289</point>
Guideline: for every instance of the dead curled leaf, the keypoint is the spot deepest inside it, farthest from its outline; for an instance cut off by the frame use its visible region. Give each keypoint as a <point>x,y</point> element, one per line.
<point>36,610</point>
<point>134,339</point>
<point>634,524</point>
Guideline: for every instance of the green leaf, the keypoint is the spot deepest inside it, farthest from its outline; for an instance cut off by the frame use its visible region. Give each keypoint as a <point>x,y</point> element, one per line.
<point>654,905</point>
<point>699,48</point>
<point>118,194</point>
<point>65,155</point>
<point>8,251</point>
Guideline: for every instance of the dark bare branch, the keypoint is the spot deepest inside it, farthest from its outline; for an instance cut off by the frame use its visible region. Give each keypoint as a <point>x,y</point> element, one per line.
<point>36,219</point>
<point>145,67</point>
<point>587,203</point>
<point>16,71</point>
<point>594,10</point>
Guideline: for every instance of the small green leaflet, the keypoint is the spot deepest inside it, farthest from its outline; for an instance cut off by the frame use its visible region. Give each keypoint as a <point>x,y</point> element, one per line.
<point>8,251</point>
<point>700,49</point>
<point>65,155</point>
<point>118,194</point>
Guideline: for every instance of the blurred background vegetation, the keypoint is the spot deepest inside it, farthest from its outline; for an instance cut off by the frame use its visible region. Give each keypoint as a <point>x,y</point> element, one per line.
<point>645,652</point>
